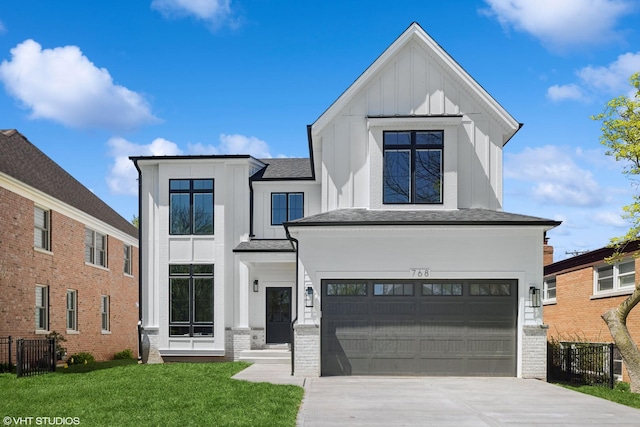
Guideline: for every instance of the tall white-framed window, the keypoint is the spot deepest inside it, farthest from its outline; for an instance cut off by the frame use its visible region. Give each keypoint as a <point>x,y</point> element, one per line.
<point>95,248</point>
<point>104,312</point>
<point>127,259</point>
<point>615,277</point>
<point>42,308</point>
<point>72,310</point>
<point>549,290</point>
<point>41,228</point>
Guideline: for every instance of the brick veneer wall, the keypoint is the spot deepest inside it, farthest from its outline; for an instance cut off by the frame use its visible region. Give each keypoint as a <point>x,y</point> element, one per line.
<point>307,350</point>
<point>534,352</point>
<point>22,268</point>
<point>575,316</point>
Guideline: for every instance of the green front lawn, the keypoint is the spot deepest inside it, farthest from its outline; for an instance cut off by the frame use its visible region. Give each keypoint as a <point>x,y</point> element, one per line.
<point>620,394</point>
<point>125,394</point>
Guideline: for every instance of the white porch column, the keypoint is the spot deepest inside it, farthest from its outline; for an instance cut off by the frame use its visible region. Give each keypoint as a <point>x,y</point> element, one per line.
<point>243,296</point>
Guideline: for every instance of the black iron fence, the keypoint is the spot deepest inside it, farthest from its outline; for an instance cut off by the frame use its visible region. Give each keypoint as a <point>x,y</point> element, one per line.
<point>583,363</point>
<point>35,357</point>
<point>6,351</point>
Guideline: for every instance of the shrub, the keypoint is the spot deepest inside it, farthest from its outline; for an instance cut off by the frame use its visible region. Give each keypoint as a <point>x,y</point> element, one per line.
<point>81,358</point>
<point>124,354</point>
<point>60,350</point>
<point>622,386</point>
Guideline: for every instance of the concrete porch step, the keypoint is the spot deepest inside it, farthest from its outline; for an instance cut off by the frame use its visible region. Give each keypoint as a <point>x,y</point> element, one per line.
<point>267,356</point>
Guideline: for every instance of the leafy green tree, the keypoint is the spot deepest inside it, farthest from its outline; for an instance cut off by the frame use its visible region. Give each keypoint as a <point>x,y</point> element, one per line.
<point>621,135</point>
<point>135,221</point>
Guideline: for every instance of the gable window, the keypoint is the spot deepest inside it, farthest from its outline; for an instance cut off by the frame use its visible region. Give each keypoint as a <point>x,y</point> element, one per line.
<point>611,278</point>
<point>104,312</point>
<point>41,228</point>
<point>191,300</point>
<point>72,310</point>
<point>286,207</point>
<point>191,206</point>
<point>42,308</point>
<point>413,167</point>
<point>95,248</point>
<point>127,259</point>
<point>549,289</point>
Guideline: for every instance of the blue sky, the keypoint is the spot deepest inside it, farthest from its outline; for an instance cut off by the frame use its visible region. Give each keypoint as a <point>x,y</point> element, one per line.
<point>91,83</point>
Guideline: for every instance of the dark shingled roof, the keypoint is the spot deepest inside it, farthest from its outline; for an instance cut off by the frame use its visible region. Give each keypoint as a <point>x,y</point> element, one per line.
<point>366,217</point>
<point>287,168</point>
<point>265,245</point>
<point>23,161</point>
<point>589,258</point>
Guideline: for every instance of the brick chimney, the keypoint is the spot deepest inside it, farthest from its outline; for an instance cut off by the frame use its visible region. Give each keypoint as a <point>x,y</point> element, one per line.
<point>547,252</point>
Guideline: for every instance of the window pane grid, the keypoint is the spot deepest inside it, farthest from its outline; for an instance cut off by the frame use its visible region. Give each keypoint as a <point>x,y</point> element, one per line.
<point>413,167</point>
<point>191,300</point>
<point>614,277</point>
<point>286,207</point>
<point>72,310</point>
<point>41,228</point>
<point>191,206</point>
<point>42,308</point>
<point>104,312</point>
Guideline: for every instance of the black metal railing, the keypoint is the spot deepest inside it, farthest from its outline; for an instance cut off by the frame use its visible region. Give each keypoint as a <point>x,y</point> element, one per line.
<point>6,352</point>
<point>35,357</point>
<point>594,364</point>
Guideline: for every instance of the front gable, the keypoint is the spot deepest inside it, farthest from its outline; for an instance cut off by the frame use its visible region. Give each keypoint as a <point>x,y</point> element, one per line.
<point>413,85</point>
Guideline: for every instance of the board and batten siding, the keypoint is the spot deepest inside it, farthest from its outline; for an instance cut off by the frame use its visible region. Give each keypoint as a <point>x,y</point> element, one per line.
<point>413,84</point>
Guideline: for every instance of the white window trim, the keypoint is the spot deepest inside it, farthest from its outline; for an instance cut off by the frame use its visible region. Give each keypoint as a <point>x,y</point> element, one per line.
<point>545,290</point>
<point>74,309</point>
<point>93,261</point>
<point>128,261</point>
<point>47,215</point>
<point>617,289</point>
<point>106,330</point>
<point>45,305</point>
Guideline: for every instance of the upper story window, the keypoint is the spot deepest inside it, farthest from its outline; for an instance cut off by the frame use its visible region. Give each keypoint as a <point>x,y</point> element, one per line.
<point>413,167</point>
<point>549,289</point>
<point>95,248</point>
<point>127,259</point>
<point>286,207</point>
<point>41,228</point>
<point>615,277</point>
<point>191,206</point>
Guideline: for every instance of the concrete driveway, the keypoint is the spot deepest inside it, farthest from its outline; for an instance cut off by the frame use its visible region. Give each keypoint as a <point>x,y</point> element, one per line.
<point>433,401</point>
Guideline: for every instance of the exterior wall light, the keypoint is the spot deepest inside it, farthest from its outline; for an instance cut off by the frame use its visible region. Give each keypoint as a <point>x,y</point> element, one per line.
<point>534,297</point>
<point>255,285</point>
<point>308,297</point>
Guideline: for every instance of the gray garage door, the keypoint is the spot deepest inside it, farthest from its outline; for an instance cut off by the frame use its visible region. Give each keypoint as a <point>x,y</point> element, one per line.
<point>443,327</point>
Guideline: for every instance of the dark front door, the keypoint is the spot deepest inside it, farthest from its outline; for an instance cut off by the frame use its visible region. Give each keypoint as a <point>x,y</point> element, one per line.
<point>278,315</point>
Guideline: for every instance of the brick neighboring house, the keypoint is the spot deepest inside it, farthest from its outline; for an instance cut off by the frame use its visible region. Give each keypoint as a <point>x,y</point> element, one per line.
<point>578,290</point>
<point>68,262</point>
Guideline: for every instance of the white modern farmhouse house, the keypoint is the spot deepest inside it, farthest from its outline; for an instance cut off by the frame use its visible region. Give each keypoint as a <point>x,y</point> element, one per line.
<point>385,252</point>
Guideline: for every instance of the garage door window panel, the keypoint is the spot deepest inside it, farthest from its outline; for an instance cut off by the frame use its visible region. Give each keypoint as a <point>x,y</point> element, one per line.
<point>393,289</point>
<point>347,289</point>
<point>442,289</point>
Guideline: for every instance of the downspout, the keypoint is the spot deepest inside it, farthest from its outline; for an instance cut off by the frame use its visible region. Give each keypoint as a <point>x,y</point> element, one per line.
<point>135,162</point>
<point>295,298</point>
<point>251,235</point>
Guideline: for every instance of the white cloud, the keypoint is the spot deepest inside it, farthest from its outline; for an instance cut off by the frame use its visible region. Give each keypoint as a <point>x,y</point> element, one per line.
<point>215,12</point>
<point>612,219</point>
<point>610,80</point>
<point>2,28</point>
<point>556,179</point>
<point>61,84</point>
<point>561,24</point>
<point>560,93</point>
<point>614,78</point>
<point>122,174</point>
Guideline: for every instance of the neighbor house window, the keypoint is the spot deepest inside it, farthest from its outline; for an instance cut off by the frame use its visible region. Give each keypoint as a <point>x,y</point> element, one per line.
<point>72,310</point>
<point>191,300</point>
<point>549,289</point>
<point>104,312</point>
<point>191,206</point>
<point>127,259</point>
<point>413,166</point>
<point>42,308</point>
<point>41,228</point>
<point>286,207</point>
<point>95,248</point>
<point>615,277</point>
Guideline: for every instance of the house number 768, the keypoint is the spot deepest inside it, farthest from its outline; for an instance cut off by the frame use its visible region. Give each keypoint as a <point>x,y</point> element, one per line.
<point>419,272</point>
